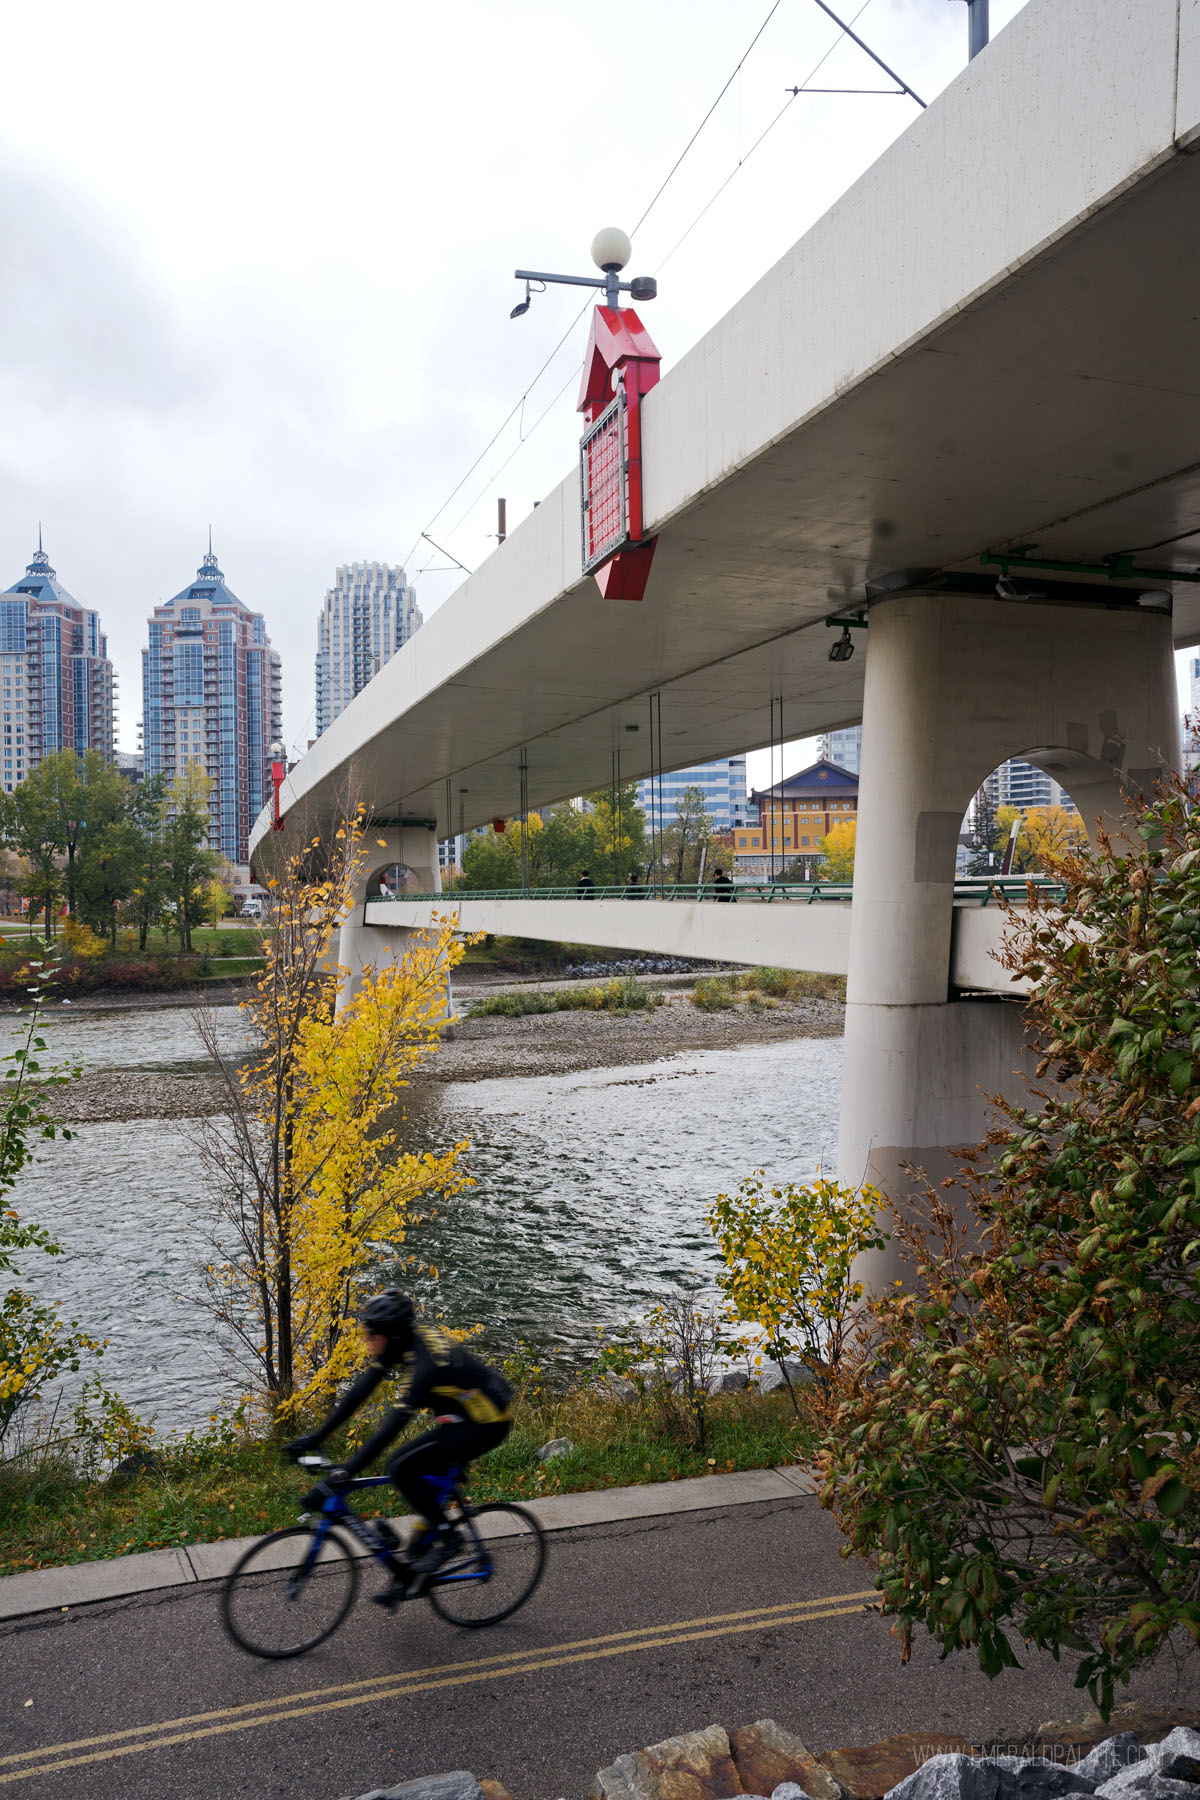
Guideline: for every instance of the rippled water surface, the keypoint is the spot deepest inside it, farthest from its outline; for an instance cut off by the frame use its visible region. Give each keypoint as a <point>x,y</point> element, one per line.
<point>589,1198</point>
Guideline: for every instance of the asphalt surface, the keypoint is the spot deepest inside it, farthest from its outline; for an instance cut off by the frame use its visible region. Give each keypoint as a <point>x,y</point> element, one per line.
<point>639,1630</point>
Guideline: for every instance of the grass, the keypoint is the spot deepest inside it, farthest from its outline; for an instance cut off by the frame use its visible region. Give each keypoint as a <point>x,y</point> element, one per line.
<point>211,1489</point>
<point>624,995</point>
<point>760,988</point>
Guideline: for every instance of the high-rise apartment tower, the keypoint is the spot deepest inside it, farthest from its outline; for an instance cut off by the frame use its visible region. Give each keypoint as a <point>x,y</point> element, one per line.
<point>369,612</point>
<point>211,694</point>
<point>844,748</point>
<point>722,783</point>
<point>58,683</point>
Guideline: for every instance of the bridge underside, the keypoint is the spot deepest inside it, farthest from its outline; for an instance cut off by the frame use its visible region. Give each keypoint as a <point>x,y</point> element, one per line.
<point>963,356</point>
<point>991,344</point>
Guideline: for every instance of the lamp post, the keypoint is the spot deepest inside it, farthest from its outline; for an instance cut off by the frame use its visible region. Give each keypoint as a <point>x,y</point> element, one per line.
<point>278,776</point>
<point>611,250</point>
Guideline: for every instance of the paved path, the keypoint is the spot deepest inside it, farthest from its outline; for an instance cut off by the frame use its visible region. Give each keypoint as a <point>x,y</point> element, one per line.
<point>642,1627</point>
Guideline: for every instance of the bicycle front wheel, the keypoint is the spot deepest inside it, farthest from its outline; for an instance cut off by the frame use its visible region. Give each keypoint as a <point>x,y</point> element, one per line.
<point>289,1592</point>
<point>496,1568</point>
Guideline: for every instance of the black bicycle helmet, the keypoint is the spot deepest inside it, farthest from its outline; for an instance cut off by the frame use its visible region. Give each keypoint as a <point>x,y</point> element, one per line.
<point>389,1313</point>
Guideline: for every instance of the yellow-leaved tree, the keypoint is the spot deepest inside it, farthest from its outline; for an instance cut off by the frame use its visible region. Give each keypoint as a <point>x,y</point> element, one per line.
<point>838,861</point>
<point>314,1189</point>
<point>788,1251</point>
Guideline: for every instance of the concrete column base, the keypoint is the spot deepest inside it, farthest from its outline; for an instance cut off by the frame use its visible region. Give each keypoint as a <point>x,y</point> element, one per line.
<point>916,1084</point>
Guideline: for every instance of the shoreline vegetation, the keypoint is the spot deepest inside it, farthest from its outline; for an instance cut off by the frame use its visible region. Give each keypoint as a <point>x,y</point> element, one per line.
<point>223,1484</point>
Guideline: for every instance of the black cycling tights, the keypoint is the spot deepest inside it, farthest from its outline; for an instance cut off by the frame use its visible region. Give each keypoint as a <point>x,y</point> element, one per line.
<point>446,1447</point>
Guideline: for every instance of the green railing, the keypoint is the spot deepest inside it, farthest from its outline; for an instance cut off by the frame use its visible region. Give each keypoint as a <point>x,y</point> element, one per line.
<point>975,890</point>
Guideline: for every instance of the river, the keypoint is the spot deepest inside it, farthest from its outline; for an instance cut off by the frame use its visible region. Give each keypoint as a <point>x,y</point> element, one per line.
<point>588,1204</point>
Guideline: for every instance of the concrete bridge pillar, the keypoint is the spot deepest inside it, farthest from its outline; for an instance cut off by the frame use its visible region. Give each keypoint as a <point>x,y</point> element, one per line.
<point>955,685</point>
<point>391,846</point>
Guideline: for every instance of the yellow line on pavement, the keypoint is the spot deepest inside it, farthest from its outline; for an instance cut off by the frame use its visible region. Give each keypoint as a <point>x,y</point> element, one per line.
<point>389,1680</point>
<point>51,1759</point>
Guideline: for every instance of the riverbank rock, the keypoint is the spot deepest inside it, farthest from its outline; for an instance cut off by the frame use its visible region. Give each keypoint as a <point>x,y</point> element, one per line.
<point>697,1766</point>
<point>139,1462</point>
<point>767,1757</point>
<point>779,1374</point>
<point>556,1447</point>
<point>959,1777</point>
<point>1109,1758</point>
<point>1178,1756</point>
<point>733,1381</point>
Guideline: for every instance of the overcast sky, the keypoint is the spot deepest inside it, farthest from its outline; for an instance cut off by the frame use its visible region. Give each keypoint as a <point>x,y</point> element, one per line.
<point>256,263</point>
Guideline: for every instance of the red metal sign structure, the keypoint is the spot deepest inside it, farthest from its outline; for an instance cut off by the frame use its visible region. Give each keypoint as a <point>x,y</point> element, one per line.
<point>278,777</point>
<point>621,365</point>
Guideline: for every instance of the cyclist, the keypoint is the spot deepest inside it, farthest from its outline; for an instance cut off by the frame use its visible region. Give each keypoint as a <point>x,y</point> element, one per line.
<point>470,1399</point>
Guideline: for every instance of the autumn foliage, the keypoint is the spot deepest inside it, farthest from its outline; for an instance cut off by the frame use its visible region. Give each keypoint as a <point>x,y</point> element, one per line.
<point>315,1192</point>
<point>1016,1443</point>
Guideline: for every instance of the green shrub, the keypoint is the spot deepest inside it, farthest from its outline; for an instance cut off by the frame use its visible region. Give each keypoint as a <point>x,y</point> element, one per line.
<point>715,993</point>
<point>1032,1460</point>
<point>625,994</point>
<point>775,982</point>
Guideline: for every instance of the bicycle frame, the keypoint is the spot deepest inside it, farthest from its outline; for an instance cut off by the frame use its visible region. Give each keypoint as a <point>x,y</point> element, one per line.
<point>338,1511</point>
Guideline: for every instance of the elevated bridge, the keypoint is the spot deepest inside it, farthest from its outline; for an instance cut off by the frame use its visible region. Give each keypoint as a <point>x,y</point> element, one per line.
<point>963,407</point>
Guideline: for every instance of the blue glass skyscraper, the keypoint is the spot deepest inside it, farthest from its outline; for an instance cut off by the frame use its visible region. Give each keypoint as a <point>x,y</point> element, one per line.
<point>57,681</point>
<point>212,696</point>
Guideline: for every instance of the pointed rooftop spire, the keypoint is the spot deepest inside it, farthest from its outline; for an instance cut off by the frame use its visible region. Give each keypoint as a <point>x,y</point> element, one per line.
<point>208,570</point>
<point>40,565</point>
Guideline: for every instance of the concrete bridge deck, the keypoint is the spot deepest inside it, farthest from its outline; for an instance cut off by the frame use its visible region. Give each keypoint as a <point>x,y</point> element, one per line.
<point>771,925</point>
<point>990,341</point>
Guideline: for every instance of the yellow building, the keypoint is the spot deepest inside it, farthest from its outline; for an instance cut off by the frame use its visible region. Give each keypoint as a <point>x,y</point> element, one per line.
<point>794,819</point>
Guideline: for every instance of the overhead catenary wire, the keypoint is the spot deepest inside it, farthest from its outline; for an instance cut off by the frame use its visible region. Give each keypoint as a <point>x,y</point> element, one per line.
<point>844,30</point>
<point>794,94</point>
<point>679,160</point>
<point>519,404</point>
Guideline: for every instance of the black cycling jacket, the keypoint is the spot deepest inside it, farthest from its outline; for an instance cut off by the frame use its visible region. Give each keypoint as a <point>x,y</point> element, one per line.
<point>443,1377</point>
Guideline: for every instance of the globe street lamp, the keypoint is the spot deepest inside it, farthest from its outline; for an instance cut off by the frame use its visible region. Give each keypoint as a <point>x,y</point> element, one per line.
<point>611,250</point>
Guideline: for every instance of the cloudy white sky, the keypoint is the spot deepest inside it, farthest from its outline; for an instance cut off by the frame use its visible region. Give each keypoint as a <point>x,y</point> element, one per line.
<point>256,263</point>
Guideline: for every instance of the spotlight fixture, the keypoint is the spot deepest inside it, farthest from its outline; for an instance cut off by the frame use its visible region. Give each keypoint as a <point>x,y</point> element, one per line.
<point>842,649</point>
<point>1008,589</point>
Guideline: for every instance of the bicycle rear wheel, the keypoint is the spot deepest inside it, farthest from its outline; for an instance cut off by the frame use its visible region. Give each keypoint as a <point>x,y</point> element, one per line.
<point>281,1599</point>
<point>500,1562</point>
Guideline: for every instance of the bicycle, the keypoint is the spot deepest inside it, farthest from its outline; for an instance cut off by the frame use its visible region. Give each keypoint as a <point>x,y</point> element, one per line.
<point>293,1588</point>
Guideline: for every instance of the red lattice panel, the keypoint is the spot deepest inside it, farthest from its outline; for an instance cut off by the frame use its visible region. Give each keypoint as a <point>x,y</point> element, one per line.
<point>603,486</point>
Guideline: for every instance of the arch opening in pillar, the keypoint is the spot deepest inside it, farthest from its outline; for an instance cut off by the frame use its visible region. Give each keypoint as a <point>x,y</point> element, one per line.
<point>392,880</point>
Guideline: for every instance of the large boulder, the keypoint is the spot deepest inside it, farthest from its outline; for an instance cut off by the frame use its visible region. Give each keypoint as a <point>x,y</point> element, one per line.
<point>779,1374</point>
<point>1110,1758</point>
<point>698,1765</point>
<point>766,1756</point>
<point>1178,1755</point>
<point>959,1777</point>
